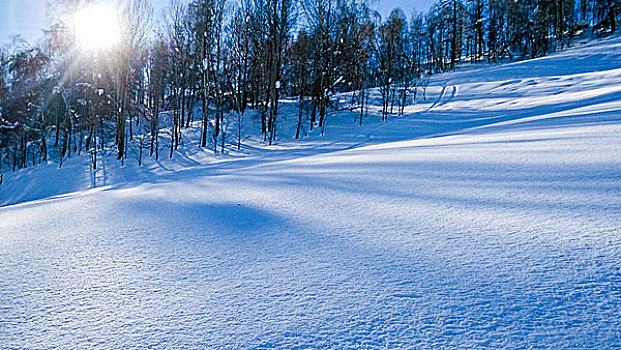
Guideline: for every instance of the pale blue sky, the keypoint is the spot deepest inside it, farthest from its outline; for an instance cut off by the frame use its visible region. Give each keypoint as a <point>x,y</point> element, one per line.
<point>26,17</point>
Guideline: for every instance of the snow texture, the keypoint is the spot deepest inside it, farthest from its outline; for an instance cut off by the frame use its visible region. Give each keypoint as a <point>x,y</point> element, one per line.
<point>487,217</point>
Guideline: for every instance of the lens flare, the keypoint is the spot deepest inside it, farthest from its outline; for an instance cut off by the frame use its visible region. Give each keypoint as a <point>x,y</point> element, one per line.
<point>97,27</point>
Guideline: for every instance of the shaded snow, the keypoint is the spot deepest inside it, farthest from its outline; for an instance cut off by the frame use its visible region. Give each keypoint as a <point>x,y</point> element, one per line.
<point>488,217</point>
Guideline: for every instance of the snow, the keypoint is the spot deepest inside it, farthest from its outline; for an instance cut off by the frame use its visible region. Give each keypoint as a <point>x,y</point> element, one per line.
<point>487,217</point>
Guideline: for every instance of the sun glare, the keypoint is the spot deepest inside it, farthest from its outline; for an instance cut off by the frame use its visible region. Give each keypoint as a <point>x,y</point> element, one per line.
<point>97,27</point>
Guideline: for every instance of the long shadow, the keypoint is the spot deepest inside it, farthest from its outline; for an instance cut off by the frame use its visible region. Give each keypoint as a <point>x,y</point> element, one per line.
<point>368,179</point>
<point>435,124</point>
<point>432,123</point>
<point>463,124</point>
<point>593,57</point>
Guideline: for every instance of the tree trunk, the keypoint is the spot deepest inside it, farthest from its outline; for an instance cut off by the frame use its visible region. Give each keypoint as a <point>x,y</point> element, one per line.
<point>43,145</point>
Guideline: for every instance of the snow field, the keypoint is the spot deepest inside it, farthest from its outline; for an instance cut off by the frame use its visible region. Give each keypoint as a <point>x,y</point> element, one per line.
<point>487,217</point>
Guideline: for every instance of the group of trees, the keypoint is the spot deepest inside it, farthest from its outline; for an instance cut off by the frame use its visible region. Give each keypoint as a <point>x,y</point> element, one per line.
<point>209,61</point>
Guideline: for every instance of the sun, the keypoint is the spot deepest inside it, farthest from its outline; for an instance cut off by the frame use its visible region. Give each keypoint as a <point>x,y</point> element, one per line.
<point>97,27</point>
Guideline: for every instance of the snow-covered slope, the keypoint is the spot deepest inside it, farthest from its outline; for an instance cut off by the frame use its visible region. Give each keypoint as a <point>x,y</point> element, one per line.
<point>488,217</point>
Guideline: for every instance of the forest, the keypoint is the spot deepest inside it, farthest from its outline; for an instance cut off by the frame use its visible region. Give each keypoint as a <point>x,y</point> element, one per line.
<point>208,62</point>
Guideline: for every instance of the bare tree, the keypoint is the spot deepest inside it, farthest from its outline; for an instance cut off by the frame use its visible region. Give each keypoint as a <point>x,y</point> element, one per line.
<point>136,17</point>
<point>237,121</point>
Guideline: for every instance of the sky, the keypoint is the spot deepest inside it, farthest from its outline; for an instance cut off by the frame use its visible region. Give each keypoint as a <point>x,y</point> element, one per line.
<point>27,17</point>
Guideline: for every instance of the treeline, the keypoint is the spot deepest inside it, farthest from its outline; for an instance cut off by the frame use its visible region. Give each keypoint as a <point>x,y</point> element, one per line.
<point>225,57</point>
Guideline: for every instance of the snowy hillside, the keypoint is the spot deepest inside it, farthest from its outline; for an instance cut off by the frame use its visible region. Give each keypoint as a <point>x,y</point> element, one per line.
<point>487,217</point>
